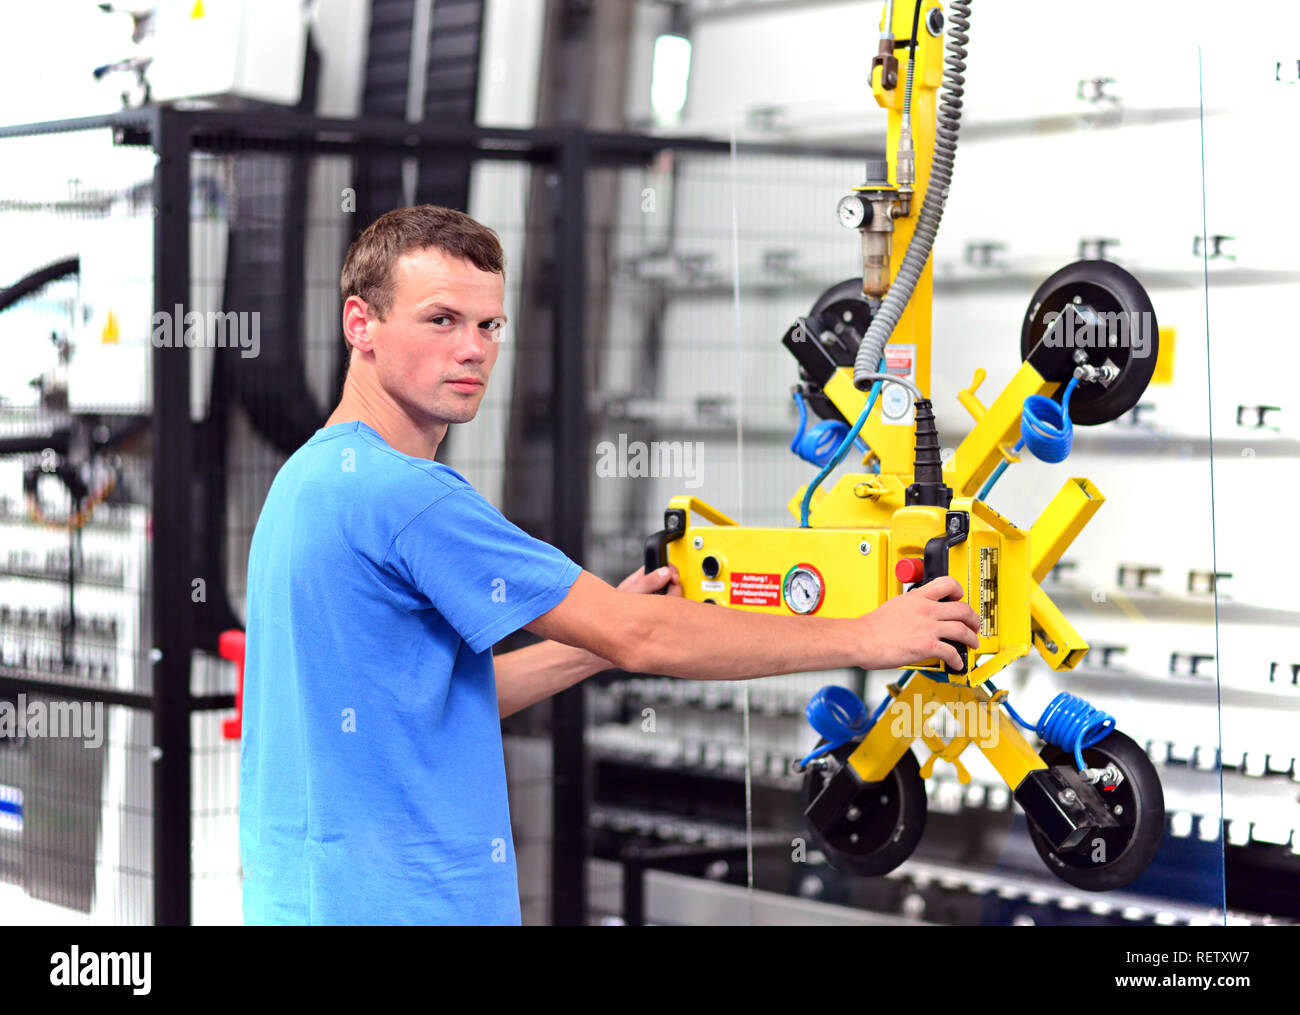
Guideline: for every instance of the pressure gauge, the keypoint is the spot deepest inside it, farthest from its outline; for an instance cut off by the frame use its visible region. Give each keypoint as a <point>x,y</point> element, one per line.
<point>896,400</point>
<point>853,211</point>
<point>803,588</point>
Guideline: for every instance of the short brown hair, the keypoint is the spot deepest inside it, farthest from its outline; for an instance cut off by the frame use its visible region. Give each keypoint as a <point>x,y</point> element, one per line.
<point>368,268</point>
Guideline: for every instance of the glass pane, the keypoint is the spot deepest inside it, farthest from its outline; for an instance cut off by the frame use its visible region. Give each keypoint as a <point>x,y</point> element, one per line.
<point>1249,284</point>
<point>1117,610</point>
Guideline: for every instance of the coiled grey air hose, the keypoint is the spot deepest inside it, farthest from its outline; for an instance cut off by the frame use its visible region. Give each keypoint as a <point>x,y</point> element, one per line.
<point>948,123</point>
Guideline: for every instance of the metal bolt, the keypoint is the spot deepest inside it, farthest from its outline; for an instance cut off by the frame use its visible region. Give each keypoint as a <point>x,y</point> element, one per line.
<point>672,521</point>
<point>1080,356</point>
<point>934,21</point>
<point>1067,796</point>
<point>698,542</point>
<point>864,548</point>
<point>852,814</point>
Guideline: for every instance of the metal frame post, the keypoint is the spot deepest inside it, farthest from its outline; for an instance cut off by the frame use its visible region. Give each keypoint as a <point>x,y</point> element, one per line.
<point>570,802</point>
<point>172,620</point>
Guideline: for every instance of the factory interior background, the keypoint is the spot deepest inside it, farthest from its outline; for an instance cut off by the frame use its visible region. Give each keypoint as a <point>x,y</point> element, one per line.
<point>664,177</point>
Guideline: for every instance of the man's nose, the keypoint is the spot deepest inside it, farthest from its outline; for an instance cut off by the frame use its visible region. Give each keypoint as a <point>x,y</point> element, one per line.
<point>471,347</point>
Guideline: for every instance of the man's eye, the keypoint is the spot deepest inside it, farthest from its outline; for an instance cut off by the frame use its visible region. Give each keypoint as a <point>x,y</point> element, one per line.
<point>494,327</point>
<point>441,319</point>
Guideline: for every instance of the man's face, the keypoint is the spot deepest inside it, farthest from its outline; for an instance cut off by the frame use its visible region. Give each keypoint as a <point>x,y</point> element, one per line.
<point>439,342</point>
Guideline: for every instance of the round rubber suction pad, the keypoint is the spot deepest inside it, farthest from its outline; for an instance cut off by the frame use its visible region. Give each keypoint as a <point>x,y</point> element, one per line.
<point>1100,309</point>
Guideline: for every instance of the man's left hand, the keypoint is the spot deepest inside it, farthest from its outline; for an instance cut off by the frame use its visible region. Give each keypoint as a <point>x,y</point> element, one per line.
<point>639,581</point>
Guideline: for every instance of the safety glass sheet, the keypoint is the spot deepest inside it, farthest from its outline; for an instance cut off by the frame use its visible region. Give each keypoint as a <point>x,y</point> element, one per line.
<point>728,262</point>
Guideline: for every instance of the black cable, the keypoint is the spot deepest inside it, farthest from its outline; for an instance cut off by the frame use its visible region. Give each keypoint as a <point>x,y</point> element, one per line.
<point>39,278</point>
<point>916,27</point>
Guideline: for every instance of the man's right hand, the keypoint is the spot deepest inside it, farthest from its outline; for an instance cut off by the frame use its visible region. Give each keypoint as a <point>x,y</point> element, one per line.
<point>912,627</point>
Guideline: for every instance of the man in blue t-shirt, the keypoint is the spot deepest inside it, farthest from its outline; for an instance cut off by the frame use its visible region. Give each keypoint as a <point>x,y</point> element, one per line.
<point>373,784</point>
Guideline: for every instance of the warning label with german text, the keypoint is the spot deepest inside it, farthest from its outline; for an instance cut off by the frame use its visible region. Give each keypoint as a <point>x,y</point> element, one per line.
<point>749,589</point>
<point>896,401</point>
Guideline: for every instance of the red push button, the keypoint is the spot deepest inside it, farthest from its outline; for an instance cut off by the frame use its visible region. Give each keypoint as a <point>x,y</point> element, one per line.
<point>231,646</point>
<point>909,570</point>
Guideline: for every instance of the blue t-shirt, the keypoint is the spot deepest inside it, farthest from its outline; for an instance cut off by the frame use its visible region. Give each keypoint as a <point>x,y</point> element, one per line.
<point>372,782</point>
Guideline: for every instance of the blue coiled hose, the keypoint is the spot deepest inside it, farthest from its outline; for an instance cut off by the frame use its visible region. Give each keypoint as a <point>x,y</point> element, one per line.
<point>1045,428</point>
<point>818,445</point>
<point>1068,722</point>
<point>838,715</point>
<point>840,452</point>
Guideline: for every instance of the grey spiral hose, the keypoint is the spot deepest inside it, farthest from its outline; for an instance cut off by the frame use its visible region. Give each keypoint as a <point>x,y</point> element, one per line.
<point>948,123</point>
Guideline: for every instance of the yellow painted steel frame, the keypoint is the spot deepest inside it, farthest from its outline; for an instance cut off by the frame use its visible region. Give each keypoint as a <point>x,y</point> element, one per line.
<point>860,527</point>
<point>910,715</point>
<point>893,442</point>
<point>743,567</point>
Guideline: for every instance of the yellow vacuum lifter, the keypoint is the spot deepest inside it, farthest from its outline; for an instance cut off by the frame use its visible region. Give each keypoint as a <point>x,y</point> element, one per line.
<point>1088,349</point>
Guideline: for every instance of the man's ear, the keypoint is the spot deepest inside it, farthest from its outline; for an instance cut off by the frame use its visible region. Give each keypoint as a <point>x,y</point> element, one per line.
<point>356,324</point>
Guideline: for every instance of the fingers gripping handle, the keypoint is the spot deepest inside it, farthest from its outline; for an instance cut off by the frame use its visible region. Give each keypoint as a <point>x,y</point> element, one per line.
<point>656,545</point>
<point>957,526</point>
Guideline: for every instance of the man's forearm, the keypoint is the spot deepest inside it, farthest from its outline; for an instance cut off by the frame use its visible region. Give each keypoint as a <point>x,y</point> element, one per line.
<point>681,638</point>
<point>706,642</point>
<point>529,675</point>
